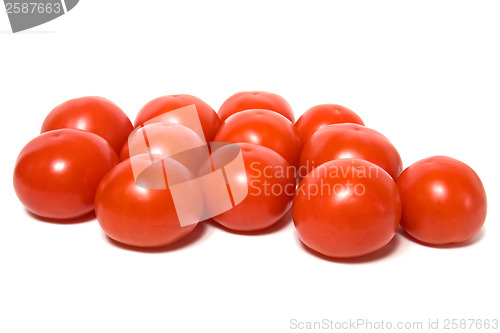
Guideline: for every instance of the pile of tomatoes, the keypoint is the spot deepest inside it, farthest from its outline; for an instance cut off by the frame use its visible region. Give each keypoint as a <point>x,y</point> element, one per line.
<point>343,181</point>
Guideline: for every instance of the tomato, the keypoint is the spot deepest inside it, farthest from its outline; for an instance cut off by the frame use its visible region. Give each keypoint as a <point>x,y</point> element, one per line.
<point>324,114</point>
<point>339,141</point>
<point>247,100</point>
<point>346,208</point>
<point>124,152</point>
<point>209,119</point>
<point>57,173</point>
<point>138,215</point>
<point>167,139</point>
<point>443,200</point>
<point>265,128</point>
<point>93,114</point>
<point>270,183</point>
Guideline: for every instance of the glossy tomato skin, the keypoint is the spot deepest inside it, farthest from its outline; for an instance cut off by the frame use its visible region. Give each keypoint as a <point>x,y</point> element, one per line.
<point>322,115</point>
<point>339,141</point>
<point>209,119</point>
<point>271,184</point>
<point>138,216</point>
<point>265,128</point>
<point>124,152</point>
<point>346,208</point>
<point>444,201</point>
<point>93,114</point>
<point>247,100</point>
<point>57,173</point>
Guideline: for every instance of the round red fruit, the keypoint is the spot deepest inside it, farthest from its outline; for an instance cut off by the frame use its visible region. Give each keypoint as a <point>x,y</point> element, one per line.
<point>136,214</point>
<point>57,173</point>
<point>93,114</point>
<point>444,201</point>
<point>346,208</point>
<point>247,100</point>
<point>270,182</point>
<point>265,128</point>
<point>209,119</point>
<point>338,141</point>
<point>322,115</point>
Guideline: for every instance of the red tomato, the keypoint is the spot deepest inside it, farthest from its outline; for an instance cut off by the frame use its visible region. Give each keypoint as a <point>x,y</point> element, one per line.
<point>139,216</point>
<point>265,128</point>
<point>346,208</point>
<point>124,152</point>
<point>443,201</point>
<point>322,115</point>
<point>167,139</point>
<point>247,100</point>
<point>210,122</point>
<point>271,185</point>
<point>339,141</point>
<point>93,114</point>
<point>57,173</point>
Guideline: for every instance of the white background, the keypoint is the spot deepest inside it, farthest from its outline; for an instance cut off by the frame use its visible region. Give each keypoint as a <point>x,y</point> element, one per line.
<point>424,73</point>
